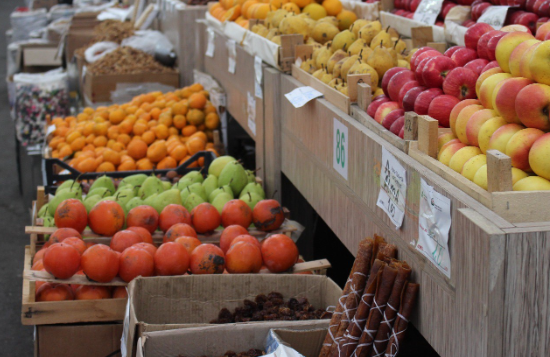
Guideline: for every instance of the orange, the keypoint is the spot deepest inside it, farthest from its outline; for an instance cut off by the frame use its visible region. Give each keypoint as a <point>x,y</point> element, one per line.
<point>113,132</point>
<point>125,158</point>
<point>195,117</point>
<point>194,145</point>
<point>117,116</point>
<point>148,137</point>
<point>196,87</point>
<point>179,152</point>
<point>152,123</point>
<point>212,121</point>
<point>106,167</point>
<point>166,119</point>
<point>137,149</point>
<point>167,163</point>
<point>126,126</point>
<point>260,11</point>
<point>179,108</point>
<point>132,109</point>
<point>90,139</point>
<point>144,164</point>
<point>82,117</point>
<point>118,147</point>
<point>128,165</point>
<point>140,127</point>
<point>157,151</point>
<point>100,141</point>
<point>88,128</point>
<point>173,131</point>
<point>65,150</point>
<point>88,110</point>
<point>155,113</point>
<point>179,121</point>
<point>189,130</point>
<point>111,156</point>
<point>100,128</point>
<point>161,131</point>
<point>333,7</point>
<point>197,101</point>
<point>199,134</point>
<point>123,139</point>
<point>87,165</point>
<point>209,108</point>
<point>78,144</point>
<point>73,136</point>
<point>56,141</point>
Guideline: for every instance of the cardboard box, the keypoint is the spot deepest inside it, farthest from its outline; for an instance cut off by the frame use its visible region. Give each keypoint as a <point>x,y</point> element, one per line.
<point>81,32</point>
<point>215,341</point>
<point>97,340</point>
<point>167,303</point>
<point>40,55</point>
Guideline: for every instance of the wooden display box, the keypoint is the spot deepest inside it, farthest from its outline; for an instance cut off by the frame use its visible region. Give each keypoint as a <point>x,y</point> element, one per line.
<point>498,285</point>
<point>168,303</point>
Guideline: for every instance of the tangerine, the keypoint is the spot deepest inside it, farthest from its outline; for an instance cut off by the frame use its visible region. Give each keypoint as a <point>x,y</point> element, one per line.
<point>77,243</point>
<point>147,246</point>
<point>91,292</point>
<point>120,292</point>
<point>229,234</point>
<point>54,292</point>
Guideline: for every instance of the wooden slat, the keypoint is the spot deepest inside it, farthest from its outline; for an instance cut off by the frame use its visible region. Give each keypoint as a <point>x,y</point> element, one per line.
<point>499,172</point>
<point>364,96</point>
<point>272,132</point>
<point>427,135</point>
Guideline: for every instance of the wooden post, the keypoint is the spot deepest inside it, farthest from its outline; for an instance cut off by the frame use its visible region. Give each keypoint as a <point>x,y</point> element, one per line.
<point>353,81</point>
<point>499,172</point>
<point>439,46</point>
<point>427,135</point>
<point>411,126</point>
<point>286,51</point>
<point>364,96</point>
<point>421,36</point>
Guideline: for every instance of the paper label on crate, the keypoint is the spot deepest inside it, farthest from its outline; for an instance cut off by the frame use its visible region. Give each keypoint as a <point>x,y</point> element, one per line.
<point>211,46</point>
<point>434,223</point>
<point>427,11</point>
<point>393,188</point>
<point>300,96</point>
<point>232,55</point>
<point>259,77</point>
<point>251,109</point>
<point>340,156</point>
<point>494,16</point>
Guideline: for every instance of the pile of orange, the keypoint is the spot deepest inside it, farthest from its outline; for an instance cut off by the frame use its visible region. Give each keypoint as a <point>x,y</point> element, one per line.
<point>154,130</point>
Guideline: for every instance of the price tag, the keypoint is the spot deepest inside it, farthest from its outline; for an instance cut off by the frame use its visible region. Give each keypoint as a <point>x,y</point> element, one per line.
<point>434,223</point>
<point>340,156</point>
<point>393,187</point>
<point>232,55</point>
<point>251,109</point>
<point>211,46</point>
<point>494,16</point>
<point>259,76</point>
<point>300,96</point>
<point>427,11</point>
<point>50,129</point>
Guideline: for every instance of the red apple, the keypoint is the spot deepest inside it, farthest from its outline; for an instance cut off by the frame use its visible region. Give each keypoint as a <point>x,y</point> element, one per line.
<point>410,15</point>
<point>397,125</point>
<point>435,70</point>
<point>387,76</point>
<point>492,64</point>
<point>440,108</point>
<point>406,87</point>
<point>461,83</point>
<point>418,53</point>
<point>419,70</point>
<point>479,9</point>
<point>483,41</point>
<point>468,23</point>
<point>528,19</point>
<point>492,45</point>
<point>541,9</point>
<point>423,100</point>
<point>397,81</point>
<point>452,50</point>
<point>529,4</point>
<point>513,14</point>
<point>544,18</point>
<point>425,54</point>
<point>402,131</point>
<point>414,5</point>
<point>463,56</point>
<point>381,96</point>
<point>473,34</point>
<point>410,98</point>
<point>439,23</point>
<point>384,109</point>
<point>393,116</point>
<point>533,106</point>
<point>477,65</point>
<point>373,106</point>
<point>445,9</point>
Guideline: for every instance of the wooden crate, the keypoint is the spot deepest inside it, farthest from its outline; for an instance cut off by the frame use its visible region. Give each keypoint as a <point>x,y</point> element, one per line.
<point>496,301</point>
<point>514,206</point>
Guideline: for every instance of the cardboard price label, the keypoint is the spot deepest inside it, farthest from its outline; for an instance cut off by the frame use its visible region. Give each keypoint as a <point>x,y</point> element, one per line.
<point>232,55</point>
<point>300,96</point>
<point>258,77</point>
<point>340,156</point>
<point>427,11</point>
<point>494,16</point>
<point>393,187</point>
<point>211,46</point>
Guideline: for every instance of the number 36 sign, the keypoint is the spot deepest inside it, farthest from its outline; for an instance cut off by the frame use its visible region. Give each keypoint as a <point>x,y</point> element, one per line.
<point>340,148</point>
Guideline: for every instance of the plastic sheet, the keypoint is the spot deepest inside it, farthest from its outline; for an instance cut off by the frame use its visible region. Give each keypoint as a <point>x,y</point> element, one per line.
<point>147,41</point>
<point>98,50</point>
<point>25,22</point>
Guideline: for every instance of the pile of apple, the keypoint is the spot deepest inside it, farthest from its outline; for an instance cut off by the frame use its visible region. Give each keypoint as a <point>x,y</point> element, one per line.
<point>407,8</point>
<point>511,115</point>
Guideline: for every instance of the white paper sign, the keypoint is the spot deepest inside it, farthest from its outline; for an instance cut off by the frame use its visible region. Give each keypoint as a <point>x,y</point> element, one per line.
<point>300,96</point>
<point>393,188</point>
<point>494,16</point>
<point>340,156</point>
<point>427,11</point>
<point>434,223</point>
<point>50,129</point>
<point>251,113</point>
<point>232,55</point>
<point>211,46</point>
<point>259,76</point>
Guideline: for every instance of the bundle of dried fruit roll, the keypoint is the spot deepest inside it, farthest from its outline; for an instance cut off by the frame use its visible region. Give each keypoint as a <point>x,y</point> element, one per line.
<point>398,332</point>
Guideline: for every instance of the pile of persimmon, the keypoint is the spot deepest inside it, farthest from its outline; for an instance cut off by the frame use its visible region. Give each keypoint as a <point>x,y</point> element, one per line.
<point>154,130</point>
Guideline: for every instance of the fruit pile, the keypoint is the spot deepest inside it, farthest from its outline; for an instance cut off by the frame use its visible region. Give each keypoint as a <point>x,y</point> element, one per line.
<point>154,130</point>
<point>535,11</point>
<point>511,116</point>
<point>272,308</point>
<point>363,48</point>
<point>407,8</point>
<point>240,11</point>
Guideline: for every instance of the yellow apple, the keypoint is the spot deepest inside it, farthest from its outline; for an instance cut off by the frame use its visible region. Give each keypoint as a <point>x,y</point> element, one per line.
<point>462,156</point>
<point>471,166</point>
<point>488,86</point>
<point>507,44</point>
<point>487,130</point>
<point>532,183</point>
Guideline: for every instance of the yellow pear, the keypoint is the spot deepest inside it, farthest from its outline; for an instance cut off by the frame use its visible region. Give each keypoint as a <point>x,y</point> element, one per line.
<point>361,67</point>
<point>272,33</point>
<point>342,88</point>
<point>330,19</point>
<point>323,32</point>
<point>381,60</point>
<point>326,78</point>
<point>308,66</point>
<point>343,40</point>
<point>335,81</point>
<point>381,38</point>
<point>323,57</point>
<point>275,17</point>
<point>398,44</point>
<point>348,62</point>
<point>276,40</point>
<point>357,46</point>
<point>356,26</point>
<point>403,63</point>
<point>318,73</point>
<point>337,70</point>
<point>336,56</point>
<point>370,30</point>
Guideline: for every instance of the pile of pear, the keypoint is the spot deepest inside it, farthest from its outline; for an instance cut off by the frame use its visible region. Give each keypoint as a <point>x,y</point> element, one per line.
<point>227,179</point>
<point>364,47</point>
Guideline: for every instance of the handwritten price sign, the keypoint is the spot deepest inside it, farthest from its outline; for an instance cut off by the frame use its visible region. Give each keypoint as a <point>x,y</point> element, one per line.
<point>427,11</point>
<point>494,16</point>
<point>393,187</point>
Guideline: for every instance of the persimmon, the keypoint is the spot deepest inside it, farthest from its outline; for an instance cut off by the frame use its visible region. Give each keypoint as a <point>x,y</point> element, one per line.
<point>100,263</point>
<point>189,243</point>
<point>77,244</point>
<point>230,233</point>
<point>268,215</point>
<point>106,218</point>
<point>71,213</point>
<point>136,262</point>
<point>38,265</point>
<point>246,238</point>
<point>207,259</point>
<point>54,292</point>
<point>147,246</point>
<point>178,230</point>
<point>39,255</point>
<point>236,212</point>
<point>60,234</point>
<point>279,253</point>
<point>124,239</point>
<point>143,233</point>
<point>92,292</point>
<point>205,218</point>
<point>173,214</point>
<point>120,292</point>
<point>243,258</point>
<point>143,216</point>
<point>171,259</point>
<point>61,260</point>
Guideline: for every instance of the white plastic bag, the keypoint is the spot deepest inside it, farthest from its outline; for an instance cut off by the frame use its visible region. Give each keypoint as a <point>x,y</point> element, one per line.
<point>25,22</point>
<point>98,50</point>
<point>147,41</point>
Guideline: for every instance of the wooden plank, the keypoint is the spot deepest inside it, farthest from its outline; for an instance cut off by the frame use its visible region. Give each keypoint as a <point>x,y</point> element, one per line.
<point>272,132</point>
<point>340,100</point>
<point>438,46</point>
<point>286,51</point>
<point>353,81</point>
<point>411,126</point>
<point>522,206</point>
<point>364,96</point>
<point>41,198</point>
<point>421,36</point>
<point>427,135</point>
<point>499,172</point>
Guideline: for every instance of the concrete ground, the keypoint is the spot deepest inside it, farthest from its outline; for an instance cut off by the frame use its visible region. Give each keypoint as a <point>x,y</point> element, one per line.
<point>15,339</point>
